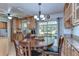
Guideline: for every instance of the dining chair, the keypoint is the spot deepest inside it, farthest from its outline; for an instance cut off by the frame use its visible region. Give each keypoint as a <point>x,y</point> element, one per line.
<point>50,51</point>
<point>27,48</point>
<point>19,49</point>
<point>17,37</point>
<point>22,48</point>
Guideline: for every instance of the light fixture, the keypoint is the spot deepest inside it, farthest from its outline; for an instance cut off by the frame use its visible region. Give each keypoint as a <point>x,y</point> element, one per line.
<point>40,16</point>
<point>9,17</point>
<point>35,16</point>
<point>43,18</point>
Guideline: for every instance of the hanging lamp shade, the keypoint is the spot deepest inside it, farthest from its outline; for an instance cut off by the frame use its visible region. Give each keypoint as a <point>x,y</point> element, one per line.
<point>39,16</point>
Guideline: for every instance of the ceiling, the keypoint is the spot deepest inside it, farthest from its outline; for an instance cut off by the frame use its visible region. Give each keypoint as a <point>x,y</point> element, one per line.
<point>26,9</point>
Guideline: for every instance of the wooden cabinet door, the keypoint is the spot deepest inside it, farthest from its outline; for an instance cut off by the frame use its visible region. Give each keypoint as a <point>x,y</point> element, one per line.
<point>65,49</point>
<point>3,25</point>
<point>69,50</point>
<point>15,24</point>
<point>75,52</point>
<point>68,16</point>
<point>18,23</point>
<point>31,24</point>
<point>77,10</point>
<point>75,18</point>
<point>68,23</point>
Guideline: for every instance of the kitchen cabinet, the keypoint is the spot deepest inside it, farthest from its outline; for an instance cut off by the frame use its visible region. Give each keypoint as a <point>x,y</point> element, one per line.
<point>3,25</point>
<point>75,20</point>
<point>71,14</point>
<point>68,15</point>
<point>68,49</point>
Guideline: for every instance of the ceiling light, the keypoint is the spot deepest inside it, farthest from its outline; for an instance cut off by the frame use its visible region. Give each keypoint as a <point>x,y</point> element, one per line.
<point>9,17</point>
<point>41,16</point>
<point>35,16</point>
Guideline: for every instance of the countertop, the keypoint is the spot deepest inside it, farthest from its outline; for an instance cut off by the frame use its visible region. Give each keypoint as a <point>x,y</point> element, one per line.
<point>73,42</point>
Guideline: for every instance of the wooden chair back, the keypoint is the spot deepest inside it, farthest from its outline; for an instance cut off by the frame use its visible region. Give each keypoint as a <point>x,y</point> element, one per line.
<point>27,48</point>
<point>60,43</point>
<point>17,37</point>
<point>18,48</point>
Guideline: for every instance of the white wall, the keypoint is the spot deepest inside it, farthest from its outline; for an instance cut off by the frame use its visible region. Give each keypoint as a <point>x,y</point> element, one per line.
<point>75,30</point>
<point>62,26</point>
<point>55,16</point>
<point>67,31</point>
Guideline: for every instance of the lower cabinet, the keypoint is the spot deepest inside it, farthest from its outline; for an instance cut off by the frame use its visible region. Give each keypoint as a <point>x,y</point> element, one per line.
<point>68,49</point>
<point>75,52</point>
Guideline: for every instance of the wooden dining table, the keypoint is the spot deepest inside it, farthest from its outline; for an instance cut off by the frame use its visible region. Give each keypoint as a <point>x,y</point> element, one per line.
<point>33,43</point>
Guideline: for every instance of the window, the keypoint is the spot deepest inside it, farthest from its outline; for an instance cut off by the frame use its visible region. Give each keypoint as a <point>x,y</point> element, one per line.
<point>49,30</point>
<point>24,27</point>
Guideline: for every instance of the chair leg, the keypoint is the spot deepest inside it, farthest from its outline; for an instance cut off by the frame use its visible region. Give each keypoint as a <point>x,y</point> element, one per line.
<point>25,50</point>
<point>29,51</point>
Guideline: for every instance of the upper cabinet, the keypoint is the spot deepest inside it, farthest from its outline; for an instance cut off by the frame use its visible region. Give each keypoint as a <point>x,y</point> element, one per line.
<point>23,23</point>
<point>75,20</point>
<point>16,22</point>
<point>68,15</point>
<point>71,14</point>
<point>77,10</point>
<point>68,23</point>
<point>3,25</point>
<point>31,22</point>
